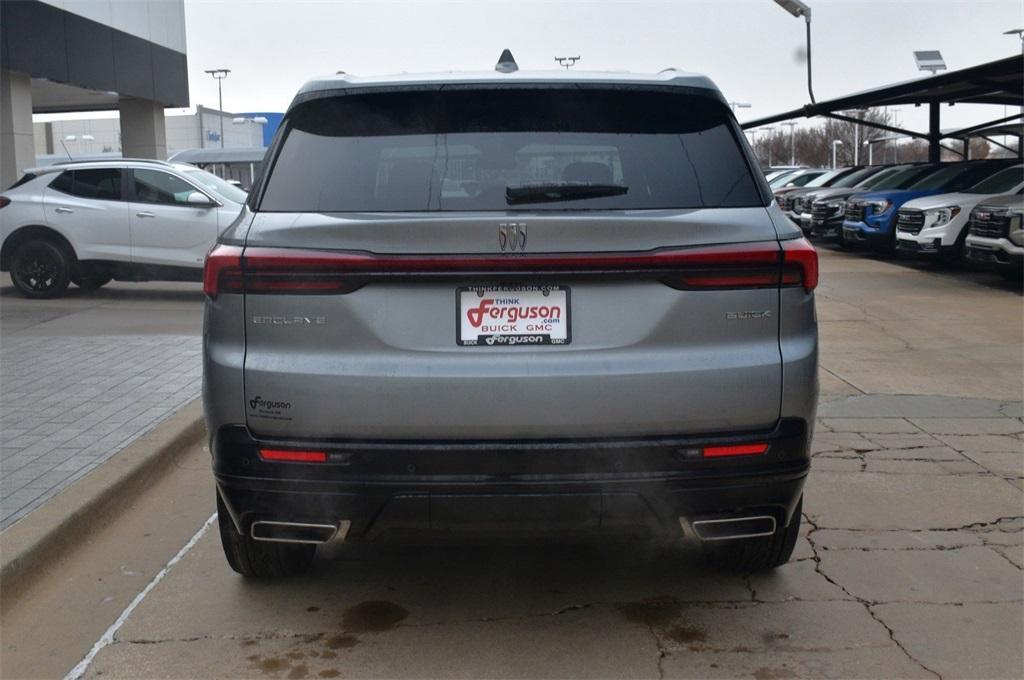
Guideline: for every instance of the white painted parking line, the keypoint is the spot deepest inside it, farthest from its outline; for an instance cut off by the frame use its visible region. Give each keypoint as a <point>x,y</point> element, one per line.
<point>108,636</point>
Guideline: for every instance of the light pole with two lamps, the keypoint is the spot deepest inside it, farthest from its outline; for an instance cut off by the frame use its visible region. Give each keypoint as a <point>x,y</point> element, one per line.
<point>220,74</point>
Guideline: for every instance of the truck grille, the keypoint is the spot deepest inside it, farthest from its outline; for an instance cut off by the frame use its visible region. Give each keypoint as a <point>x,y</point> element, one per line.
<point>786,203</point>
<point>798,205</point>
<point>822,212</point>
<point>854,211</point>
<point>989,222</point>
<point>910,221</point>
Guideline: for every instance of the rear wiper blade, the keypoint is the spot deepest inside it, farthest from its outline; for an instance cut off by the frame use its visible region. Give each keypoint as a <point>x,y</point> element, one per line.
<point>546,192</point>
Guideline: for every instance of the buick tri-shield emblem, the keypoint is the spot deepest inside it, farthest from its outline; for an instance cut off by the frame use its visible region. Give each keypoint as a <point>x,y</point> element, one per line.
<point>512,236</point>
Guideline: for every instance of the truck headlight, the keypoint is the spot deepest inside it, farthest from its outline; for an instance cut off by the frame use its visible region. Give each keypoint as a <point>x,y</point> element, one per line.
<point>1015,232</point>
<point>879,207</point>
<point>941,216</point>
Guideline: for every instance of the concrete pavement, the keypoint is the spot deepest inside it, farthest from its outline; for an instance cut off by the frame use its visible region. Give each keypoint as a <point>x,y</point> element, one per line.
<point>909,565</point>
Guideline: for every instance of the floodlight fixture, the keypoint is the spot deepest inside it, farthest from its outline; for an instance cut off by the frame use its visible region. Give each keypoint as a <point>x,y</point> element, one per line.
<point>796,8</point>
<point>930,60</point>
<point>219,74</point>
<point>800,9</point>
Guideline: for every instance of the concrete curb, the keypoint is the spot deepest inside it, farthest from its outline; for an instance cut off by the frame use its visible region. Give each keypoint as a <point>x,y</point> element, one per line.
<point>37,541</point>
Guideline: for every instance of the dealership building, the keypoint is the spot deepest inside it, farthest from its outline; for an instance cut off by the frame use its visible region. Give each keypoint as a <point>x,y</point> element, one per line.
<point>91,136</point>
<point>60,56</point>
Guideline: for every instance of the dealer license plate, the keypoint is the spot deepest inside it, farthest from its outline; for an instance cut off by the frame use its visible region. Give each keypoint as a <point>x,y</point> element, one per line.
<point>512,315</point>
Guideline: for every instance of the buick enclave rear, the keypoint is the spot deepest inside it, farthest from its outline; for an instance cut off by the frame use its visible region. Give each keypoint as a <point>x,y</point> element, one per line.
<point>511,303</point>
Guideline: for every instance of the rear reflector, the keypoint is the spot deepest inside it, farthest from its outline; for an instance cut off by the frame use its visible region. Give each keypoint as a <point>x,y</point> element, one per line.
<point>289,456</point>
<point>230,269</point>
<point>735,450</point>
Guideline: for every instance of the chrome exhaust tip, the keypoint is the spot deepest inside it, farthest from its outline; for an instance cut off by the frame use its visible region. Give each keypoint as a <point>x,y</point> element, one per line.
<point>297,532</point>
<point>730,528</point>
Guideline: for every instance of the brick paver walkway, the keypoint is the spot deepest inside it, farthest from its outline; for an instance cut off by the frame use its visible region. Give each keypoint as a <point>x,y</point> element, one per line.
<point>69,403</point>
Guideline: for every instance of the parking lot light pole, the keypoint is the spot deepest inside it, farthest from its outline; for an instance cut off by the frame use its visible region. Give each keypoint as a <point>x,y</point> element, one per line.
<point>792,141</point>
<point>220,74</point>
<point>835,144</point>
<point>738,105</point>
<point>800,9</point>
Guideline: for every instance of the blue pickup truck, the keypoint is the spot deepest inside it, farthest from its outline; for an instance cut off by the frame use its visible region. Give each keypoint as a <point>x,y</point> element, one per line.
<point>870,218</point>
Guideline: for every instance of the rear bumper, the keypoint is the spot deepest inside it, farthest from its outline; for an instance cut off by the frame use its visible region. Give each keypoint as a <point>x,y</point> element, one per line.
<point>562,486</point>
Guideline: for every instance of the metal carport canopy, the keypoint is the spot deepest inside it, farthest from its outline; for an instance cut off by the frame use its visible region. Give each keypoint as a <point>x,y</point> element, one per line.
<point>998,82</point>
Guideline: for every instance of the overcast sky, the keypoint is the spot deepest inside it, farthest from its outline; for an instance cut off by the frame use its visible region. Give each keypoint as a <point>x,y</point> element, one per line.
<point>751,48</point>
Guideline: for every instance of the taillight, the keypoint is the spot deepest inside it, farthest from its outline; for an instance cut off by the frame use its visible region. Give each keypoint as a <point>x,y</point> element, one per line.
<point>222,270</point>
<point>292,456</point>
<point>4,201</point>
<point>230,269</point>
<point>735,450</point>
<point>799,264</point>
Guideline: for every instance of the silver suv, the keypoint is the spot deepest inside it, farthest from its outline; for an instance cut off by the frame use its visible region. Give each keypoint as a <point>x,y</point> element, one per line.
<point>513,302</point>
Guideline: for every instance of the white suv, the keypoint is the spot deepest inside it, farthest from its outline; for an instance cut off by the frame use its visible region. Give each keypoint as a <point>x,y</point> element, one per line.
<point>131,220</point>
<point>937,225</point>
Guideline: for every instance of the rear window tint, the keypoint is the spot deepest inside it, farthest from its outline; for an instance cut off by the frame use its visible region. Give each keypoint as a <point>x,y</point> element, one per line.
<point>464,150</point>
<point>99,183</point>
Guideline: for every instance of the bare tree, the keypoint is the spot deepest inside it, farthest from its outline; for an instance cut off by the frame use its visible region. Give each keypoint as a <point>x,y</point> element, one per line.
<point>813,145</point>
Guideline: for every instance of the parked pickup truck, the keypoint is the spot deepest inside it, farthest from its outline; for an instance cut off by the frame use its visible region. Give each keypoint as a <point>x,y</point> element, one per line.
<point>828,206</point>
<point>786,196</point>
<point>870,218</point>
<point>797,203</point>
<point>996,237</point>
<point>936,226</point>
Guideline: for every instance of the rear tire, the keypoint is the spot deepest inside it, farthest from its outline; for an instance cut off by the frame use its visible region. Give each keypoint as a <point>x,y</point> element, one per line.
<point>756,554</point>
<point>41,270</point>
<point>260,559</point>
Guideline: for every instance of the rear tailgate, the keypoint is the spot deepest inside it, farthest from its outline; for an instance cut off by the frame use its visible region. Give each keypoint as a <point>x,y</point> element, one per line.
<point>383,361</point>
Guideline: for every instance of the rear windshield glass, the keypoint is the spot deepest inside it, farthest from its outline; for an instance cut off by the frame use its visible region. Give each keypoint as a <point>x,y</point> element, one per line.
<point>509,149</point>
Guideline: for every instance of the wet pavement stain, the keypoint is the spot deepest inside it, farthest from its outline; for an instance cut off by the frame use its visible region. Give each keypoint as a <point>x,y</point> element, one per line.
<point>764,673</point>
<point>327,654</point>
<point>686,635</point>
<point>312,609</point>
<point>772,638</point>
<point>298,672</point>
<point>342,642</point>
<point>373,616</point>
<point>329,673</point>
<point>250,643</point>
<point>295,655</point>
<point>272,665</point>
<point>657,611</point>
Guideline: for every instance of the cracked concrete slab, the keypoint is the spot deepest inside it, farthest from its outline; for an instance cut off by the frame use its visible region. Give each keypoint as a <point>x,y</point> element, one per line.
<point>865,426</point>
<point>602,644</point>
<point>913,406</point>
<point>840,500</point>
<point>971,574</point>
<point>984,442</point>
<point>845,539</point>
<point>960,641</point>
<point>969,425</point>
